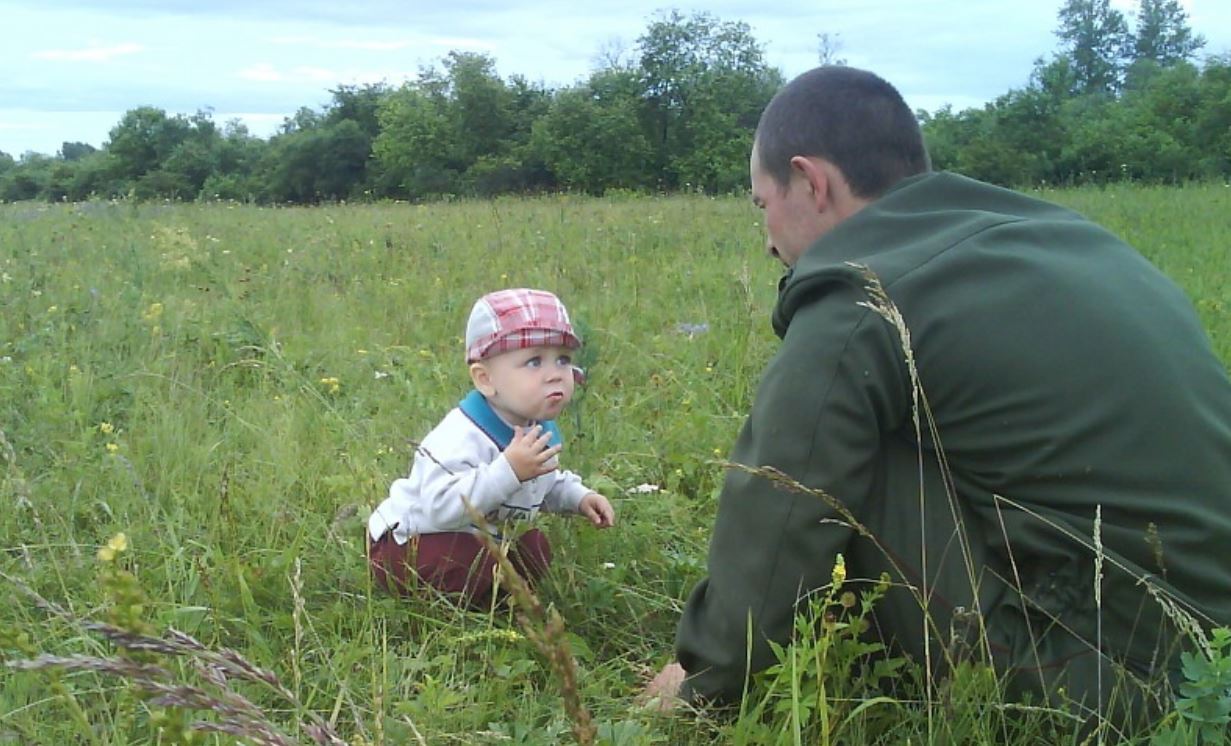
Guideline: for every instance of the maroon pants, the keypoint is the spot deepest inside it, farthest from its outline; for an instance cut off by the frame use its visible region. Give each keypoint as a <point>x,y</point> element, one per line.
<point>456,563</point>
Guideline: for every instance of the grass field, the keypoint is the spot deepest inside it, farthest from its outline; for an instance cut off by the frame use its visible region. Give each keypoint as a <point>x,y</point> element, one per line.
<point>233,388</point>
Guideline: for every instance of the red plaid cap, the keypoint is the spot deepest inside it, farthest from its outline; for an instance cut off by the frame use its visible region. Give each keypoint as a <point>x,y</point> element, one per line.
<point>516,319</point>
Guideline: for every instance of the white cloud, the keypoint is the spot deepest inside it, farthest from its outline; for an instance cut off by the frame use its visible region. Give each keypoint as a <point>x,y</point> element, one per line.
<point>293,40</point>
<point>89,54</point>
<point>316,74</point>
<point>265,72</point>
<point>262,72</point>
<point>372,46</point>
<point>369,45</point>
<point>460,42</point>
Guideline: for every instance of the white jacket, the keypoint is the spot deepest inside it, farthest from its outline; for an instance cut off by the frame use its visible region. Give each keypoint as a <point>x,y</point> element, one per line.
<point>457,460</point>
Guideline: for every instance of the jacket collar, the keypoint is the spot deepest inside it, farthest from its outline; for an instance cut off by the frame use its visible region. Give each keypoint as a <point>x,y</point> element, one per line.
<point>480,412</point>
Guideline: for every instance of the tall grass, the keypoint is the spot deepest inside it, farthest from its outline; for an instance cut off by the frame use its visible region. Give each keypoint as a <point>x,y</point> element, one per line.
<point>234,388</point>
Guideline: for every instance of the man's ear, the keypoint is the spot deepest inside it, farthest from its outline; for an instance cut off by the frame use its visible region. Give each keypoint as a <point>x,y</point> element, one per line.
<point>481,377</point>
<point>815,177</point>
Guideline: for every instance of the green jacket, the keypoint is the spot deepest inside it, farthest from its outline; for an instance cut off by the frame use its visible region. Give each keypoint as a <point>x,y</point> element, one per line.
<point>1064,373</point>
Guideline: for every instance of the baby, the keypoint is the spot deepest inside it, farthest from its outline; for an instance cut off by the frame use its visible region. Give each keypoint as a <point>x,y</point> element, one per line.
<point>497,449</point>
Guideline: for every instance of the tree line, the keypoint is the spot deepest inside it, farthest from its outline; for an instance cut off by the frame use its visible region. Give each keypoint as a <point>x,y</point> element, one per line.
<point>677,112</point>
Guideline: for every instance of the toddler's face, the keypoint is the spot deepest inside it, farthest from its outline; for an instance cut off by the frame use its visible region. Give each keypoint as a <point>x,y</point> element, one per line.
<point>530,384</point>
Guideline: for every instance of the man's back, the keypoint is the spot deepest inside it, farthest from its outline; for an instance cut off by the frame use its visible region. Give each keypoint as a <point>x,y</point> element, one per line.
<point>1065,375</point>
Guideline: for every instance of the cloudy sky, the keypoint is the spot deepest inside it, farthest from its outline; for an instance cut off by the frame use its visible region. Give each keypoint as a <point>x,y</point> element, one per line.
<point>69,69</point>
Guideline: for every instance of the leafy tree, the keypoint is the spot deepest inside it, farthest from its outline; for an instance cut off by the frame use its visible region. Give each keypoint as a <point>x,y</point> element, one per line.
<point>717,133</point>
<point>161,156</point>
<point>703,81</point>
<point>531,103</point>
<point>75,151</point>
<point>1163,34</point>
<point>143,139</point>
<point>27,179</point>
<point>1095,37</point>
<point>592,138</point>
<point>305,118</point>
<point>944,134</point>
<point>480,104</point>
<point>416,150</point>
<point>1212,119</point>
<point>342,151</point>
<point>459,129</point>
<point>92,177</point>
<point>360,104</point>
<point>306,166</point>
<point>239,154</point>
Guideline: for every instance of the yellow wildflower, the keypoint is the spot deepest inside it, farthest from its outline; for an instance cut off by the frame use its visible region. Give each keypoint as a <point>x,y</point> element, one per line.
<point>117,544</point>
<point>112,448</point>
<point>839,570</point>
<point>153,312</point>
<point>106,428</point>
<point>332,383</point>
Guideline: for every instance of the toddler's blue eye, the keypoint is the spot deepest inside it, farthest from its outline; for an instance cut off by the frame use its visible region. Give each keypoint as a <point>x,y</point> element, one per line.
<point>534,362</point>
<point>564,360</point>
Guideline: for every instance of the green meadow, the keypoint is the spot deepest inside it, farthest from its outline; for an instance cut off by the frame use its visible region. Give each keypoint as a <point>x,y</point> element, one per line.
<point>233,388</point>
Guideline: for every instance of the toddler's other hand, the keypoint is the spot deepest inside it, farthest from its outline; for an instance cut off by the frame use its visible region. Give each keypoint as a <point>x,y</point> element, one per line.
<point>597,508</point>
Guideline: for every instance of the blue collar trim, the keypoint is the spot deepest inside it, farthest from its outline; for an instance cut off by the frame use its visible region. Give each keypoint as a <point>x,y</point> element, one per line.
<point>475,407</point>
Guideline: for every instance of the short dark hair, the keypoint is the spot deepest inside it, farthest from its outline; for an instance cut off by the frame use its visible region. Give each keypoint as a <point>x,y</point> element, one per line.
<point>852,118</point>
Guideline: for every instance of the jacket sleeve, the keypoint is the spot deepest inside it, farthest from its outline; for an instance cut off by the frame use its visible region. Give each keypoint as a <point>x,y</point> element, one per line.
<point>565,495</point>
<point>837,384</point>
<point>443,481</point>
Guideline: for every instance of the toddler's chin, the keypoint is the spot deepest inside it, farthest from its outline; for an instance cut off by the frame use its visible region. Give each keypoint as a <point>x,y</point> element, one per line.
<point>551,410</point>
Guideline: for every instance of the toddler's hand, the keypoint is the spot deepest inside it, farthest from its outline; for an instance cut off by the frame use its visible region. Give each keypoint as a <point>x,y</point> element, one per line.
<point>596,507</point>
<point>529,454</point>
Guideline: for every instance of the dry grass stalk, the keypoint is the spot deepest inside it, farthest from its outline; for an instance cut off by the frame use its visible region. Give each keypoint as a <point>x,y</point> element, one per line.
<point>1098,605</point>
<point>545,629</point>
<point>788,483</point>
<point>237,715</point>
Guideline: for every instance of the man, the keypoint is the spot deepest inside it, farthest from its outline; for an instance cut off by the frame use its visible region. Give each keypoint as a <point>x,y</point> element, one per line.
<point>1060,377</point>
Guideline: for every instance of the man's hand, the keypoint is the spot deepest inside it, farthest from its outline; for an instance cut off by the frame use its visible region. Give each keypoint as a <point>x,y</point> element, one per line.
<point>663,691</point>
<point>529,454</point>
<point>597,508</point>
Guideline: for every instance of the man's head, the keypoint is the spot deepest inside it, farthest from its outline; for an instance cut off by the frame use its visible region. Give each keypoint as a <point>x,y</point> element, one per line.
<point>519,347</point>
<point>832,140</point>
